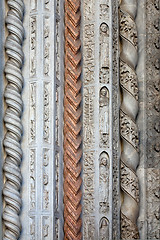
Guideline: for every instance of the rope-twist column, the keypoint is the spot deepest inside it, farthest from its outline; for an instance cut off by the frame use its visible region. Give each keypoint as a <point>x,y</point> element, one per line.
<point>72,122</point>
<point>12,120</point>
<point>128,115</point>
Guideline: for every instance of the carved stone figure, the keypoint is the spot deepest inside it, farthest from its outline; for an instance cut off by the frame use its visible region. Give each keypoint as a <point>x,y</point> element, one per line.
<point>103,181</point>
<point>104,116</point>
<point>104,229</point>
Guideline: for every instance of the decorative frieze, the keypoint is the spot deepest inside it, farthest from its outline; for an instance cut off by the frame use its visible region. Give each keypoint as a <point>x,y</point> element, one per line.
<point>32,113</point>
<point>33,45</point>
<point>97,112</point>
<point>46,44</point>
<point>88,118</point>
<point>152,118</point>
<point>115,126</point>
<point>32,168</point>
<point>46,110</point>
<point>42,142</point>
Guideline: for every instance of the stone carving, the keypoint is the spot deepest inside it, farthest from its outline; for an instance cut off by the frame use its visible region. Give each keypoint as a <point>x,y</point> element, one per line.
<point>12,120</point>
<point>104,116</point>
<point>115,126</point>
<point>45,228</point>
<point>47,4</point>
<point>104,10</point>
<point>88,49</point>
<point>104,53</point>
<point>46,178</point>
<point>104,229</point>
<point>46,46</point>
<point>72,122</point>
<point>33,47</point>
<point>103,182</point>
<point>33,4</point>
<point>89,228</point>
<point>152,117</point>
<point>89,10</point>
<point>32,179</point>
<point>46,127</point>
<point>57,179</point>
<point>89,138</point>
<point>153,200</point>
<point>32,135</point>
<point>32,228</point>
<point>128,114</point>
<point>88,188</point>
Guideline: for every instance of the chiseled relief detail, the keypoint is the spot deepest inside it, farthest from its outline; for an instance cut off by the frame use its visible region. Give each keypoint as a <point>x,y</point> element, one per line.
<point>89,228</point>
<point>96,128</point>
<point>88,186</point>
<point>88,117</point>
<point>12,174</point>
<point>46,228</point>
<point>89,10</point>
<point>128,121</point>
<point>104,117</point>
<point>32,228</point>
<point>104,164</point>
<point>153,202</point>
<point>105,110</point>
<point>32,179</point>
<point>46,179</point>
<point>57,180</point>
<point>33,5</point>
<point>153,122</point>
<point>33,45</point>
<point>46,46</point>
<point>47,4</point>
<point>115,125</point>
<point>104,64</point>
<point>104,229</point>
<point>46,112</point>
<point>89,55</point>
<point>32,113</point>
<point>88,195</point>
<point>104,53</point>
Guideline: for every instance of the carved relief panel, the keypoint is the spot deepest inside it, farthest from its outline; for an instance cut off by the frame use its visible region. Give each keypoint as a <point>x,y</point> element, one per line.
<point>120,71</point>
<point>42,144</point>
<point>97,111</point>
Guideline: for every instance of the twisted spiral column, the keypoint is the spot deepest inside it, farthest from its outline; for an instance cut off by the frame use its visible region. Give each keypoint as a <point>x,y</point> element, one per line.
<point>12,120</point>
<point>72,122</point>
<point>128,114</point>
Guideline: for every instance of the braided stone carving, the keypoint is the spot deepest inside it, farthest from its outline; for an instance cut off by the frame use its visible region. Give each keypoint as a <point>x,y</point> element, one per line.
<point>128,114</point>
<point>72,122</point>
<point>12,120</point>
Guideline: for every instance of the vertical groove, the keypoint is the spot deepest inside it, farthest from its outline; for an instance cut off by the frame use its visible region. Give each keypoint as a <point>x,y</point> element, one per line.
<point>72,122</point>
<point>12,120</point>
<point>128,115</point>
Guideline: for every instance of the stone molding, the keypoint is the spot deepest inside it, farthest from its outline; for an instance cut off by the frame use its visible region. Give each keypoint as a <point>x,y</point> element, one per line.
<point>72,122</point>
<point>128,114</point>
<point>12,120</point>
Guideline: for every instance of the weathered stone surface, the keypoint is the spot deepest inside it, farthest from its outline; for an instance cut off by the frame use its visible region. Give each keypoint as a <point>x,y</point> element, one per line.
<point>97,119</point>
<point>42,188</point>
<point>108,85</point>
